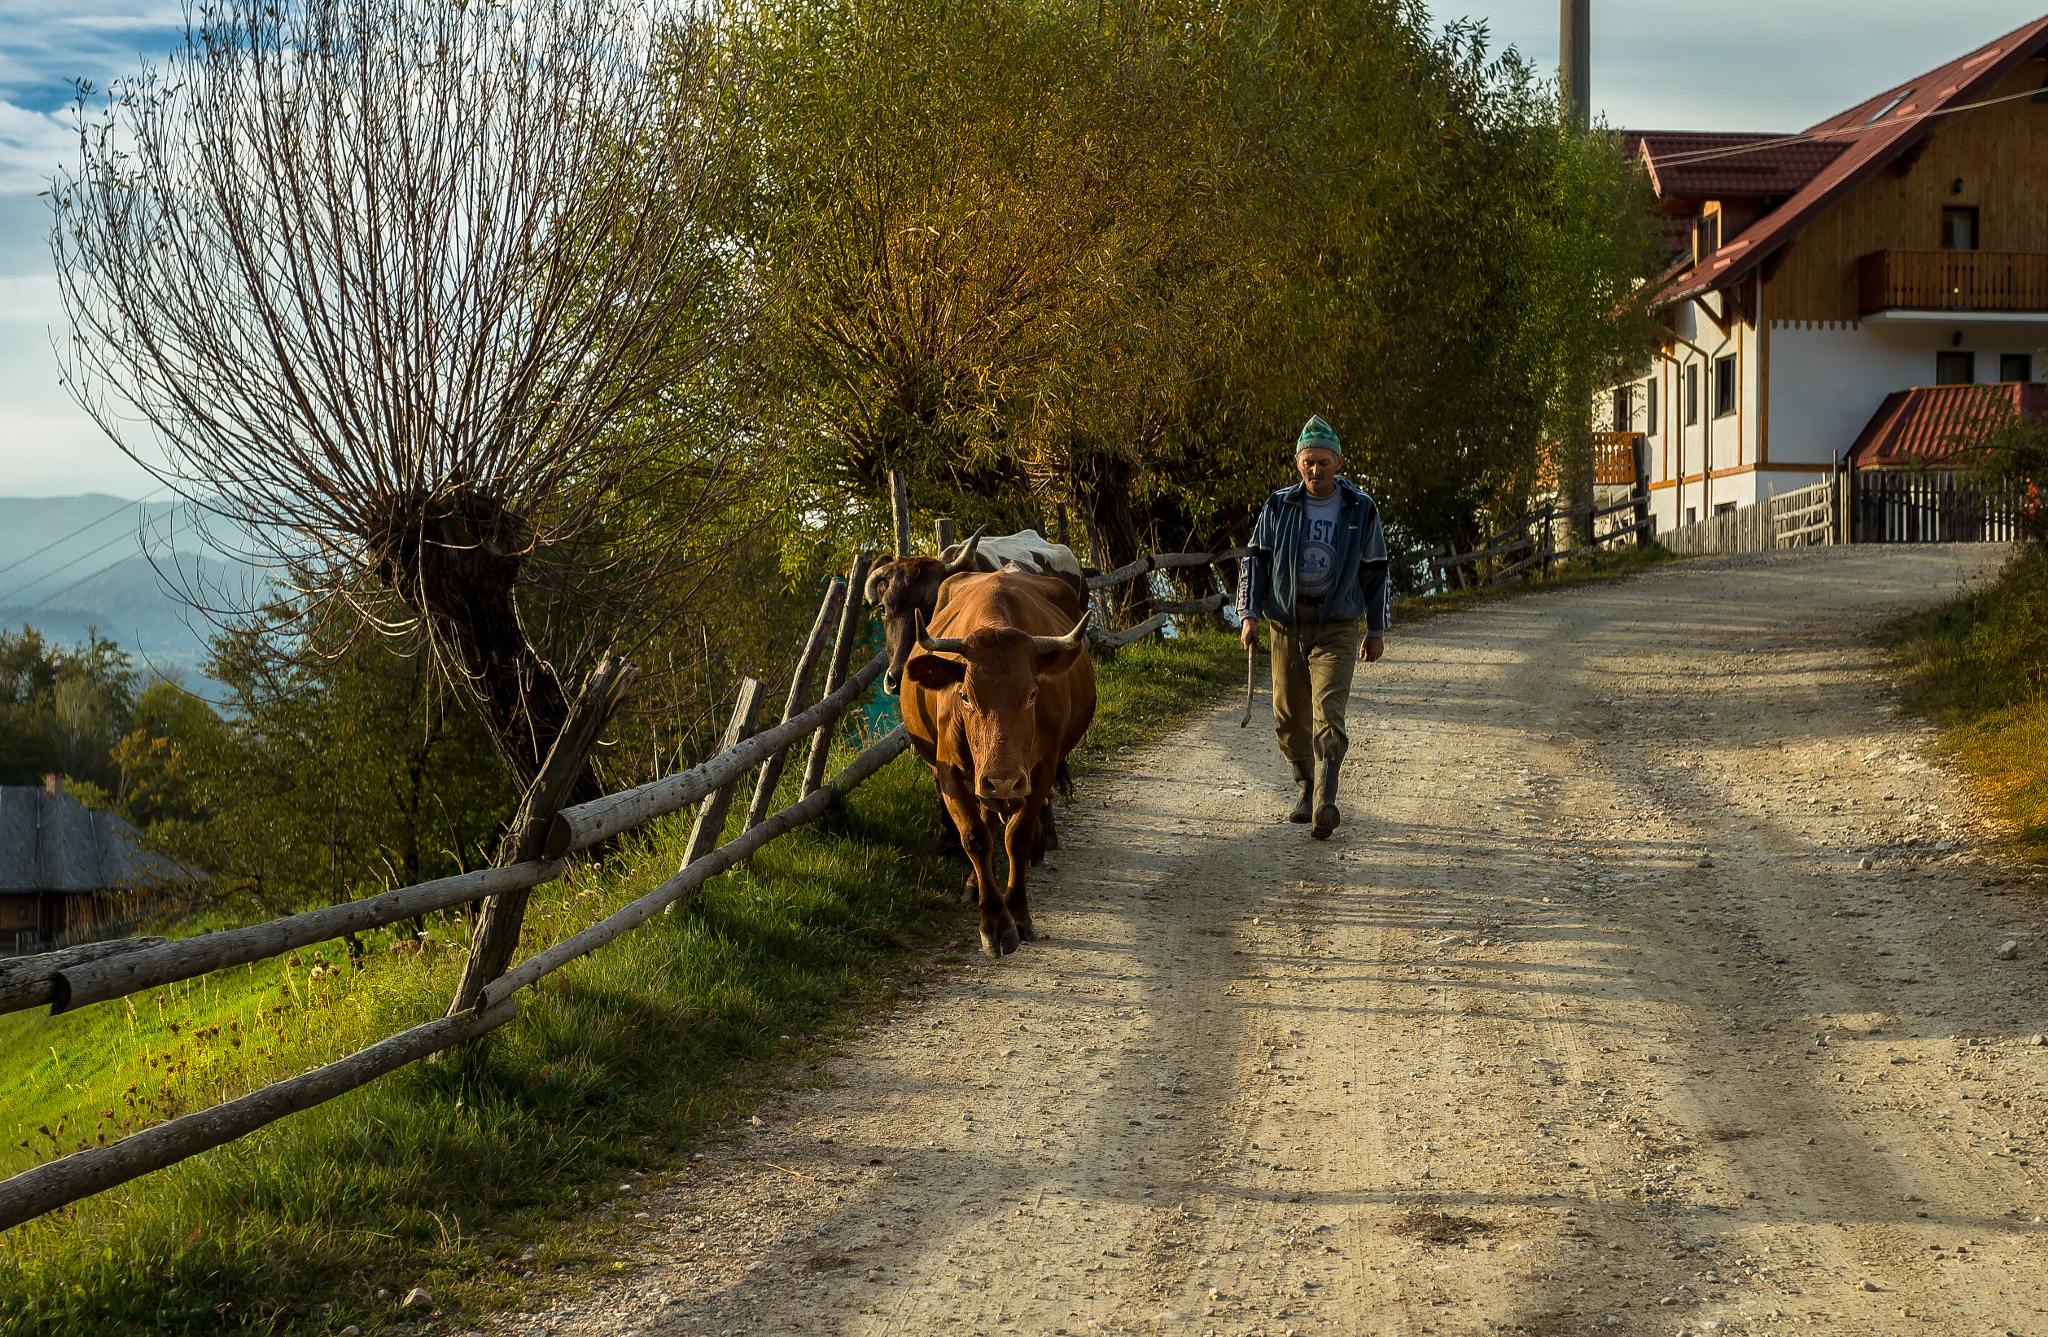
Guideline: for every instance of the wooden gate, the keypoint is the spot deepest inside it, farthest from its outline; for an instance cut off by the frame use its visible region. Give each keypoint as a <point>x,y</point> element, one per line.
<point>1897,506</point>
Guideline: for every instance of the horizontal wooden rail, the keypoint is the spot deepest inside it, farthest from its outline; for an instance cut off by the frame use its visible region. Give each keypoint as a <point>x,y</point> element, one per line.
<point>83,1173</point>
<point>167,962</point>
<point>600,819</point>
<point>542,964</point>
<point>1163,561</point>
<point>1112,640</point>
<point>1208,605</point>
<point>31,981</point>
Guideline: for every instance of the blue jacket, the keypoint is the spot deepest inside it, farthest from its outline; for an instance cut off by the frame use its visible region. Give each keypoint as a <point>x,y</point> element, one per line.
<point>1265,586</point>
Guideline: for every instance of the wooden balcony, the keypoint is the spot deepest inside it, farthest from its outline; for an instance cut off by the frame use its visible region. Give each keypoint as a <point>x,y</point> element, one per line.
<point>1953,281</point>
<point>1614,458</point>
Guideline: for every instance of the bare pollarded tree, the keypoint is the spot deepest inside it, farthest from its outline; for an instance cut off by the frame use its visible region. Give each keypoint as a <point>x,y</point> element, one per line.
<point>430,297</point>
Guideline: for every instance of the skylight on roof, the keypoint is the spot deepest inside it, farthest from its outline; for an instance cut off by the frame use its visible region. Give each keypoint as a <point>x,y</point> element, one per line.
<point>1888,106</point>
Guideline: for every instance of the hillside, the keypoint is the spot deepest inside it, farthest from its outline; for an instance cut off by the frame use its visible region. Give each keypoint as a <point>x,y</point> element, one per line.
<point>69,564</point>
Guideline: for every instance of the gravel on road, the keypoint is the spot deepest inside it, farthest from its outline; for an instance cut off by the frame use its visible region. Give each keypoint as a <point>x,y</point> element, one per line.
<point>1653,984</point>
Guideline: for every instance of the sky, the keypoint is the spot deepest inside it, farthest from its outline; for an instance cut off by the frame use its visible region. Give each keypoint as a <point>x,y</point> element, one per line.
<point>1734,65</point>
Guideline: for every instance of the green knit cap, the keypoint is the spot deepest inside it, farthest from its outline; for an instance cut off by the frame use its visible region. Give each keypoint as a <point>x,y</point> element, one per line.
<point>1319,435</point>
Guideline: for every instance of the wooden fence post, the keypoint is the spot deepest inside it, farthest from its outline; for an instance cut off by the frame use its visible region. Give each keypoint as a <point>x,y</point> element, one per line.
<point>1640,490</point>
<point>1060,514</point>
<point>1549,542</point>
<point>899,510</point>
<point>710,823</point>
<point>945,532</point>
<point>799,687</point>
<point>497,930</point>
<point>842,653</point>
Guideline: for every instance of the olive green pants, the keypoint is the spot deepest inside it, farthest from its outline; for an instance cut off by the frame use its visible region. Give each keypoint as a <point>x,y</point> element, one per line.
<point>1312,671</point>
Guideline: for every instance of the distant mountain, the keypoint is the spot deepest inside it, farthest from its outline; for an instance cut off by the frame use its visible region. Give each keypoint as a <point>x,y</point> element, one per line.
<point>68,564</point>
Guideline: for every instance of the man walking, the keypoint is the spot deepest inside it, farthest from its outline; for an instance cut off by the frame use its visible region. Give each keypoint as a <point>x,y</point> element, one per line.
<point>1318,566</point>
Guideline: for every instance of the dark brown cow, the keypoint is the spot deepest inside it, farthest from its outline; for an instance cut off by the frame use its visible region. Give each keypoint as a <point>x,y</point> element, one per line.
<point>906,587</point>
<point>1000,691</point>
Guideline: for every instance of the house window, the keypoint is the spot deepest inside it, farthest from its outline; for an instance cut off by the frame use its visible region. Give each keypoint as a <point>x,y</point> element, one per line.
<point>1724,508</point>
<point>1650,407</point>
<point>1706,236</point>
<point>1692,394</point>
<point>1959,228</point>
<point>1692,514</point>
<point>1724,386</point>
<point>1955,368</point>
<point>2015,367</point>
<point>1621,408</point>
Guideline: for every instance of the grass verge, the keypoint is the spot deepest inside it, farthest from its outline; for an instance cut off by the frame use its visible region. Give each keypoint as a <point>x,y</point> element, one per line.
<point>1979,668</point>
<point>464,1175</point>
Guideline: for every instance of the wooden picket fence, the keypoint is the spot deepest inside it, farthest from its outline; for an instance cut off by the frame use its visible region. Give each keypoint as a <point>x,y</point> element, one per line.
<point>1910,506</point>
<point>1805,517</point>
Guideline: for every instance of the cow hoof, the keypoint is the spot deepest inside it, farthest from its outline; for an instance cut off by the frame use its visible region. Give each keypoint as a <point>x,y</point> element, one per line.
<point>1026,932</point>
<point>1010,939</point>
<point>988,948</point>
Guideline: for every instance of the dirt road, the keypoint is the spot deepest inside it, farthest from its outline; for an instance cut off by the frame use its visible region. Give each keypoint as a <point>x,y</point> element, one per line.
<point>1651,986</point>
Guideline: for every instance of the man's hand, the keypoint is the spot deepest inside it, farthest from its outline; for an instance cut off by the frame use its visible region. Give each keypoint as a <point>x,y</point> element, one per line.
<point>1372,648</point>
<point>1248,632</point>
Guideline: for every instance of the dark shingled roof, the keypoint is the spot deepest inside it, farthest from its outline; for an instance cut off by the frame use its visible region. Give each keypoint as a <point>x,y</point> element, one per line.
<point>1773,167</point>
<point>1871,134</point>
<point>52,842</point>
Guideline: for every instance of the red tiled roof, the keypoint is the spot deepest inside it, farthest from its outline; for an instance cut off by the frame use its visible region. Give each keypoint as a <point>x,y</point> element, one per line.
<point>1771,167</point>
<point>1896,119</point>
<point>1940,424</point>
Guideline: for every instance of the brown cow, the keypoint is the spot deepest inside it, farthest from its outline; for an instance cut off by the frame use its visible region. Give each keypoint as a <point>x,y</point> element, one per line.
<point>905,587</point>
<point>999,693</point>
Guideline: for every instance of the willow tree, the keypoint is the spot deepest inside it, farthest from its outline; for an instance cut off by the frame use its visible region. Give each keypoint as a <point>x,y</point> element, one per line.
<point>426,302</point>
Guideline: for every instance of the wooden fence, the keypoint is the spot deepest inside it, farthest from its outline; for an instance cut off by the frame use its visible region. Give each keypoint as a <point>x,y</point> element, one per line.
<point>535,852</point>
<point>1808,517</point>
<point>1900,506</point>
<point>1535,536</point>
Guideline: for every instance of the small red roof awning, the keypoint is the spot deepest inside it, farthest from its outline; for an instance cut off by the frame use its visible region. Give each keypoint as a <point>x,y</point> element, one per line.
<point>1940,425</point>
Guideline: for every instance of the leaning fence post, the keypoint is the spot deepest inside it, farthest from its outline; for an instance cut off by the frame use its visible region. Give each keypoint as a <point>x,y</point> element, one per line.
<point>944,527</point>
<point>799,687</point>
<point>497,930</point>
<point>842,652</point>
<point>710,823</point>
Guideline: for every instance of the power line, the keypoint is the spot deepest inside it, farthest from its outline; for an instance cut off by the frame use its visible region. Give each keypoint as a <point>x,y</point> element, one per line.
<point>19,590</point>
<point>74,585</point>
<point>94,524</point>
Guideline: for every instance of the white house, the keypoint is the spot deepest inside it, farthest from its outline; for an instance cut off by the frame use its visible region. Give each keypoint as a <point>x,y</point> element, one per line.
<point>1901,244</point>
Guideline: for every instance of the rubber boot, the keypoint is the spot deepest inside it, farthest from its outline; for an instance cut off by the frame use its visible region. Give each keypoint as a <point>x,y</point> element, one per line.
<point>1304,808</point>
<point>1327,815</point>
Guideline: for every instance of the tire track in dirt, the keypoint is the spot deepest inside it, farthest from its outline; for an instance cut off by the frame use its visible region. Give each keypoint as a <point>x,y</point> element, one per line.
<point>1589,1019</point>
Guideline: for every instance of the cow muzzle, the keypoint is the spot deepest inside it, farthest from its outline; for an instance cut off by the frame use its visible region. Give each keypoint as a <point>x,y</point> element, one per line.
<point>1002,791</point>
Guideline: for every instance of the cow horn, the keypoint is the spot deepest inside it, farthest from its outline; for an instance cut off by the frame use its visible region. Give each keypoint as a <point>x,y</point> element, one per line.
<point>936,645</point>
<point>965,561</point>
<point>1052,645</point>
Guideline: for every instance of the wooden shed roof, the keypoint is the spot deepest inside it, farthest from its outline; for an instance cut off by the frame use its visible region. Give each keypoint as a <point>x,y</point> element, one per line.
<point>53,843</point>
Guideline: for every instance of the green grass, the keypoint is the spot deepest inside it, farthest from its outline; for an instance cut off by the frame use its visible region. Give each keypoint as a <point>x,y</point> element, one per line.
<point>1978,667</point>
<point>445,1173</point>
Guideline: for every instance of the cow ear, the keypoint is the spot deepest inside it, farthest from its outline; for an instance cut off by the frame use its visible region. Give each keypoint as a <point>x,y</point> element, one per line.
<point>1056,663</point>
<point>930,671</point>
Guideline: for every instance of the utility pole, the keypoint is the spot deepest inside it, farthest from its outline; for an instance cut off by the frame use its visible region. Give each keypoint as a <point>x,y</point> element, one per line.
<point>1575,61</point>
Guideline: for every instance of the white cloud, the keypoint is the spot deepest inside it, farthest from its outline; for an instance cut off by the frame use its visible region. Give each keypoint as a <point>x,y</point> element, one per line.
<point>33,144</point>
